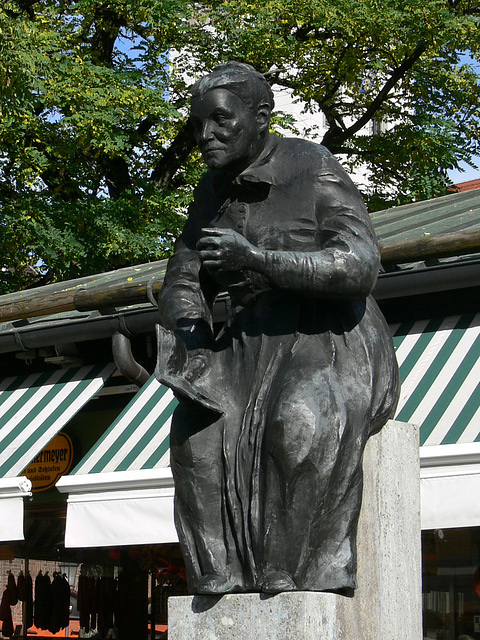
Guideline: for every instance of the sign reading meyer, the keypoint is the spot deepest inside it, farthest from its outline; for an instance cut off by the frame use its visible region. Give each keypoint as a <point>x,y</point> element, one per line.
<point>51,463</point>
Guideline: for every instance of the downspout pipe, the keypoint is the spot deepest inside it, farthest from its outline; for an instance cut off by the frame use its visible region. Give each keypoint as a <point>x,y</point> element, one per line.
<point>126,363</point>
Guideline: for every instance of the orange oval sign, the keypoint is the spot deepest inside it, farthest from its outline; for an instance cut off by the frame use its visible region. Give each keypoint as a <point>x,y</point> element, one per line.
<point>51,463</point>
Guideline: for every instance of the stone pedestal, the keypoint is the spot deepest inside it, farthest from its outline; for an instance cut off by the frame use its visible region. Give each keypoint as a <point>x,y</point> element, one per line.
<point>387,603</point>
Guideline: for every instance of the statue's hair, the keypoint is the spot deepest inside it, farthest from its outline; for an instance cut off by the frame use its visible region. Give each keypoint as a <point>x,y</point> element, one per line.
<point>239,78</point>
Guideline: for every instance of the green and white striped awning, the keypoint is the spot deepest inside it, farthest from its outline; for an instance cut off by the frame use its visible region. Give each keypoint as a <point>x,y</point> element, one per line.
<point>139,438</point>
<point>34,408</point>
<point>121,493</point>
<point>440,370</point>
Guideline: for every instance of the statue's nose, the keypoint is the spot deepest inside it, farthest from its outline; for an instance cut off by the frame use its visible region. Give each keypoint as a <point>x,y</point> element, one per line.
<point>206,132</point>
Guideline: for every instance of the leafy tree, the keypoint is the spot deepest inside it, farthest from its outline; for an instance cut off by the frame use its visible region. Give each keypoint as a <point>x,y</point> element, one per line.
<point>366,62</point>
<point>95,162</point>
<point>96,157</point>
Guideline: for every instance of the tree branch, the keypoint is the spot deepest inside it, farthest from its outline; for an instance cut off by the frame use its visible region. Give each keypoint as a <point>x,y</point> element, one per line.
<point>174,157</point>
<point>24,6</point>
<point>337,136</point>
<point>108,26</point>
<point>306,32</point>
<point>117,176</point>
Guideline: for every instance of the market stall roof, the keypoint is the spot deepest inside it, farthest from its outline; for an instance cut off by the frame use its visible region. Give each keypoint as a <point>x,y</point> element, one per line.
<point>445,226</point>
<point>122,491</point>
<point>33,409</point>
<point>445,215</point>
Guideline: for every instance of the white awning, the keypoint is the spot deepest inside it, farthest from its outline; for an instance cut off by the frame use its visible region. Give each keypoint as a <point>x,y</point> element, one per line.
<point>120,508</point>
<point>440,370</point>
<point>12,493</point>
<point>33,409</point>
<point>121,493</point>
<point>450,486</point>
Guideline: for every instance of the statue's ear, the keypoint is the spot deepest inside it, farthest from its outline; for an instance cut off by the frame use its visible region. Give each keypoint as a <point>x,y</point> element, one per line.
<point>263,116</point>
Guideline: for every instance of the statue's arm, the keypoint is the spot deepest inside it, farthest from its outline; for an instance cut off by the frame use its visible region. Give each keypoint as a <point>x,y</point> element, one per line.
<point>186,297</point>
<point>347,261</point>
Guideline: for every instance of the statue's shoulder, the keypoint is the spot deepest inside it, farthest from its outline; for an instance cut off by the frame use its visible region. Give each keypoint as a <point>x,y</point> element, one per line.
<point>300,159</point>
<point>302,146</point>
<point>304,156</point>
<point>301,150</point>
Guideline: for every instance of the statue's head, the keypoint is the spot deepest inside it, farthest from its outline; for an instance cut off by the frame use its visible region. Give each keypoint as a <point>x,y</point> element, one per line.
<point>230,113</point>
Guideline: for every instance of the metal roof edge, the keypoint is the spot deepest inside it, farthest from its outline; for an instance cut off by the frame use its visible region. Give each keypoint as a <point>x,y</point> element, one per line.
<point>116,481</point>
<point>422,280</point>
<point>31,335</point>
<point>13,487</point>
<point>23,335</point>
<point>447,455</point>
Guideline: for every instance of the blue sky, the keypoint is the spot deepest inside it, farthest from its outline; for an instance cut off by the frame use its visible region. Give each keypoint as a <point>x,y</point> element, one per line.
<point>469,174</point>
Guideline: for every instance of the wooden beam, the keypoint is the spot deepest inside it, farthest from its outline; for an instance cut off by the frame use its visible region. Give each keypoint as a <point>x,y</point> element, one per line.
<point>443,245</point>
<point>135,285</point>
<point>106,290</point>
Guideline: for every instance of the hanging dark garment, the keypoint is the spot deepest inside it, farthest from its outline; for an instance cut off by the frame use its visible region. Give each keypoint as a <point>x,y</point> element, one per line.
<point>21,587</point>
<point>43,601</point>
<point>81,603</point>
<point>110,587</point>
<point>65,620</point>
<point>12,589</point>
<point>87,602</point>
<point>105,604</point>
<point>122,601</point>
<point>93,591</point>
<point>25,594</point>
<point>6,615</point>
<point>115,602</point>
<point>60,603</point>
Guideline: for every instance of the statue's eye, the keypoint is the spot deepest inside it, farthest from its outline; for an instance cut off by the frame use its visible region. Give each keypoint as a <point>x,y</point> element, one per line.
<point>221,117</point>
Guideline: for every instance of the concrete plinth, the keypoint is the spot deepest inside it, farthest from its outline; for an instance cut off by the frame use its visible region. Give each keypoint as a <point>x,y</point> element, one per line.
<point>387,602</point>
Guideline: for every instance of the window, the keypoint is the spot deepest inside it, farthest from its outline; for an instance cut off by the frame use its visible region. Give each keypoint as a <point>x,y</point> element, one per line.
<point>451,584</point>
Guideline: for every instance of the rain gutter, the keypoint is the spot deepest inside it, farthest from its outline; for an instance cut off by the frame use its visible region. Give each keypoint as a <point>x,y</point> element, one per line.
<point>423,280</point>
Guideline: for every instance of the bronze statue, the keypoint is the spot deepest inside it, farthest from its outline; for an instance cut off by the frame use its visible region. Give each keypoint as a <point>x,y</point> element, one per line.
<point>276,405</point>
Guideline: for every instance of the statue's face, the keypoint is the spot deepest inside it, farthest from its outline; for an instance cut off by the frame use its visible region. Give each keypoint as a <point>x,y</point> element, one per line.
<point>226,130</point>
